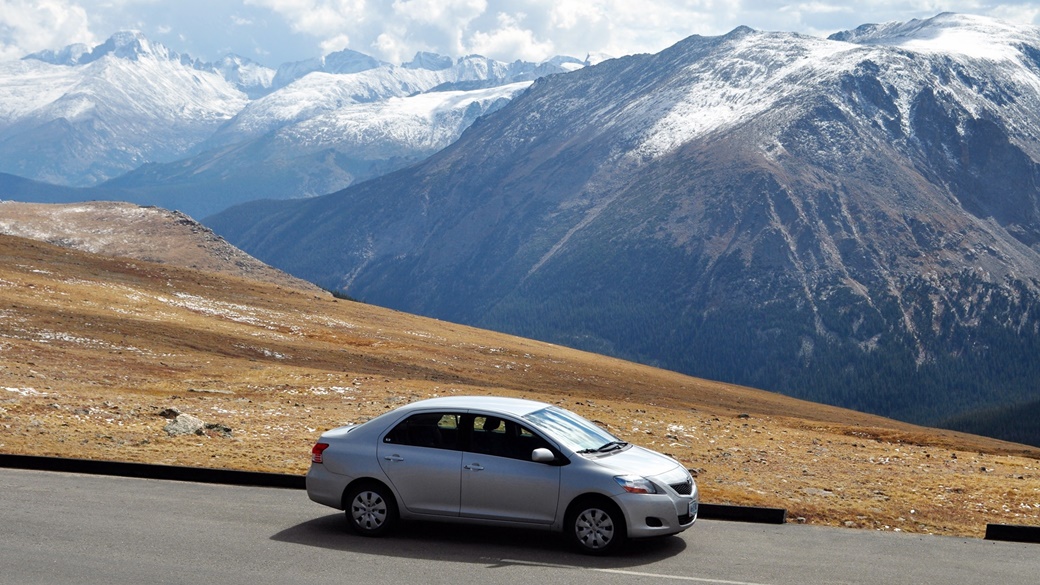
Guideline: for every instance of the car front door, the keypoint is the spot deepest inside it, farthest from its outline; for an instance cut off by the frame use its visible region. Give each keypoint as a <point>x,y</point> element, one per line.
<point>499,479</point>
<point>421,458</point>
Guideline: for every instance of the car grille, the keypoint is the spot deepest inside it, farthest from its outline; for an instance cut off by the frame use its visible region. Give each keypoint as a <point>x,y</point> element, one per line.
<point>683,489</point>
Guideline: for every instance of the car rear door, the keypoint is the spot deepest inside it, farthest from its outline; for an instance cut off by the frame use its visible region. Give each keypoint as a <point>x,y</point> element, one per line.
<point>420,457</point>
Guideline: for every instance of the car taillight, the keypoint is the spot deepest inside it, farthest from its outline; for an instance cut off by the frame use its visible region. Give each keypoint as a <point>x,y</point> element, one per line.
<point>317,451</point>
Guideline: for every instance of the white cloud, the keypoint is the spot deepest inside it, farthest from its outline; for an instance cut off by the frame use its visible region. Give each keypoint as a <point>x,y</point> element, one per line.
<point>510,40</point>
<point>394,30</point>
<point>1027,12</point>
<point>33,25</point>
<point>336,43</point>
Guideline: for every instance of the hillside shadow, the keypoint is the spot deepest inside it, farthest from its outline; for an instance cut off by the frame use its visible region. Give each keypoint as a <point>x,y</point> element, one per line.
<point>473,544</point>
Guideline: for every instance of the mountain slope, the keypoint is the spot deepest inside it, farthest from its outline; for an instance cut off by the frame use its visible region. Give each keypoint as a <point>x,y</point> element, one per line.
<point>98,353</point>
<point>851,222</point>
<point>144,233</point>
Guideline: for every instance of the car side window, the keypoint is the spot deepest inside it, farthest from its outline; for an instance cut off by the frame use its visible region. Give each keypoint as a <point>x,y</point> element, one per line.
<point>503,438</point>
<point>433,430</point>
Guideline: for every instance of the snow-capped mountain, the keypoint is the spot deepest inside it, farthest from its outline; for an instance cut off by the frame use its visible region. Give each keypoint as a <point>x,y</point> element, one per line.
<point>314,156</point>
<point>426,121</point>
<point>80,116</point>
<point>853,220</point>
<point>346,79</point>
<point>249,76</point>
<point>341,62</point>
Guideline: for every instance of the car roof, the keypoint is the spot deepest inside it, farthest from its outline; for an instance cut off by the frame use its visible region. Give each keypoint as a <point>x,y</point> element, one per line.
<point>502,404</point>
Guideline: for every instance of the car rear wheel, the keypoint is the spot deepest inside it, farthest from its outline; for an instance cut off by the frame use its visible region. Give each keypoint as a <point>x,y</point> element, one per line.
<point>596,526</point>
<point>371,509</point>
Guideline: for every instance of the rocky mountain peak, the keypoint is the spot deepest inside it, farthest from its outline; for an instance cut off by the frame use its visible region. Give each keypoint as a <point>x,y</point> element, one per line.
<point>431,61</point>
<point>130,45</point>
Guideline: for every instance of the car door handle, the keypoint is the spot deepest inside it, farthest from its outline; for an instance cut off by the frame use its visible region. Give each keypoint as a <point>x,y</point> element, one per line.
<point>474,467</point>
<point>394,457</point>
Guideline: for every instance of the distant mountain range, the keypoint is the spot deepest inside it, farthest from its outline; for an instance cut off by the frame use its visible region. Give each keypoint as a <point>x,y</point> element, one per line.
<point>132,120</point>
<point>852,220</point>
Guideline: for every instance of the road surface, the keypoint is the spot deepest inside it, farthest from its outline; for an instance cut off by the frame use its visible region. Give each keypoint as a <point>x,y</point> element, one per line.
<point>59,528</point>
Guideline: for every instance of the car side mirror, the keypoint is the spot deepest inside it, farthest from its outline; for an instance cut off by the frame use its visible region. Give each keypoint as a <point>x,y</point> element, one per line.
<point>542,455</point>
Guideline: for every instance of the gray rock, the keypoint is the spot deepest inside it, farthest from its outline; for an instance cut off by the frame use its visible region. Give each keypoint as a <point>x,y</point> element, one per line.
<point>184,424</point>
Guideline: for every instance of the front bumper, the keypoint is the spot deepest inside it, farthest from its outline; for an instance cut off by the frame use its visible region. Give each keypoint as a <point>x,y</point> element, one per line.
<point>649,515</point>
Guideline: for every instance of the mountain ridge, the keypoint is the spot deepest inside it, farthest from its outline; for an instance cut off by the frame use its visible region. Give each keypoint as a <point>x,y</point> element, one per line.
<point>150,234</point>
<point>824,218</point>
<point>84,116</point>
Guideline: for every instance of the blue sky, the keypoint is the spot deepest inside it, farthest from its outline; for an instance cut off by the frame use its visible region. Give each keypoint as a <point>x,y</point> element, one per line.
<point>278,31</point>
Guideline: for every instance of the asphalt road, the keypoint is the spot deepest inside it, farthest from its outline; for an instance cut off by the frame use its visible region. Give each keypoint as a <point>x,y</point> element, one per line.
<point>60,528</point>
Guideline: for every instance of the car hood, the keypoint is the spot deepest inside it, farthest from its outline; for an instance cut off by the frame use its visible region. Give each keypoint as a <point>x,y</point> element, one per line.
<point>636,460</point>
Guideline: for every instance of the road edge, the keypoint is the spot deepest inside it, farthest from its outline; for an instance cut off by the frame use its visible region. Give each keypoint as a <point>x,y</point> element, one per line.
<point>289,481</point>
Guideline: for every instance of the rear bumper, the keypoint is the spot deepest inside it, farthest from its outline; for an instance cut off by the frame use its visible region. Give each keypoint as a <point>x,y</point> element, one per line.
<point>325,487</point>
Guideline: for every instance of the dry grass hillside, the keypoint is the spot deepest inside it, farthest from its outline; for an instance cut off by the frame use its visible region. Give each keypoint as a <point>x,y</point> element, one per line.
<point>147,233</point>
<point>96,350</point>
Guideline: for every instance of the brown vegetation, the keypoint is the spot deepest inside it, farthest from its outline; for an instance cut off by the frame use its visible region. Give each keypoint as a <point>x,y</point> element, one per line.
<point>93,350</point>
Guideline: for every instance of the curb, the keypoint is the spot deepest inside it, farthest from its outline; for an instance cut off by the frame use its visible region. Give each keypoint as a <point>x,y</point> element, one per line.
<point>151,471</point>
<point>287,481</point>
<point>1013,533</point>
<point>742,514</point>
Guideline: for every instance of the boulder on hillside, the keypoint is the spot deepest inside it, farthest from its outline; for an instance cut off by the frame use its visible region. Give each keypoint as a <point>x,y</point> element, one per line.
<point>185,424</point>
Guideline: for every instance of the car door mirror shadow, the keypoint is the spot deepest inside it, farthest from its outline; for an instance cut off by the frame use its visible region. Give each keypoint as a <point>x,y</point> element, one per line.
<point>485,545</point>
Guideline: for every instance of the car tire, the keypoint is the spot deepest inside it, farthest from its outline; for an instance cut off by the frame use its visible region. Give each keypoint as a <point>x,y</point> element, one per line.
<point>596,526</point>
<point>370,509</point>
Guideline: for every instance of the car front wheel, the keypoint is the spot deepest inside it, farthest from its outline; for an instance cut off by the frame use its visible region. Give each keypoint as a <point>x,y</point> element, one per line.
<point>371,509</point>
<point>596,527</point>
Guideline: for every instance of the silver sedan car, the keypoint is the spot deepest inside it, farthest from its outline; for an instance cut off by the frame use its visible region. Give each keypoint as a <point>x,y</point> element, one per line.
<point>503,462</point>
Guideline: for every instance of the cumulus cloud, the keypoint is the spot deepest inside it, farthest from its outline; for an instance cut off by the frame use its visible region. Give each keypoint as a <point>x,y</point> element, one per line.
<point>394,30</point>
<point>33,25</point>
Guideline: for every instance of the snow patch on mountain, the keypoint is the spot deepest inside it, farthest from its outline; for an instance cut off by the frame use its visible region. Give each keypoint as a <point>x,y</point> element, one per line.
<point>425,122</point>
<point>760,71</point>
<point>29,85</point>
<point>763,70</point>
<point>966,35</point>
<point>319,93</point>
<point>252,78</point>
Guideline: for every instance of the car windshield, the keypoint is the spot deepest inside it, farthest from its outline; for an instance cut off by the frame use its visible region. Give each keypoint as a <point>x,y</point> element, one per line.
<point>573,431</point>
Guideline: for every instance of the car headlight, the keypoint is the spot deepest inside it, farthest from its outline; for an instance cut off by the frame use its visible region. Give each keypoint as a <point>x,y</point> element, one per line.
<point>635,484</point>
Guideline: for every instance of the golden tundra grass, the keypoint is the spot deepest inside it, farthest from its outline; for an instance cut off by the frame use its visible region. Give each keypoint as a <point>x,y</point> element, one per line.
<point>94,348</point>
